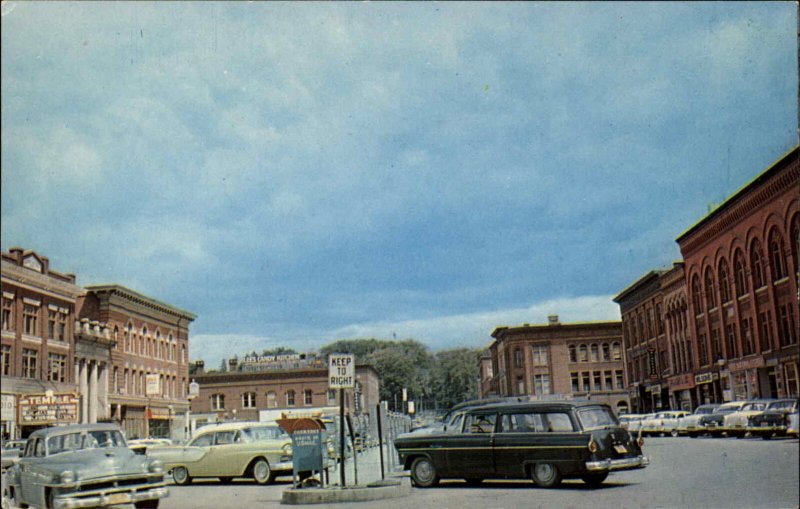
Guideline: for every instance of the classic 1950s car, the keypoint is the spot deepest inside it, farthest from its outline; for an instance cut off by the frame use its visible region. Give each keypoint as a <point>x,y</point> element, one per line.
<point>544,441</point>
<point>774,421</point>
<point>84,465</point>
<point>690,424</point>
<point>237,449</point>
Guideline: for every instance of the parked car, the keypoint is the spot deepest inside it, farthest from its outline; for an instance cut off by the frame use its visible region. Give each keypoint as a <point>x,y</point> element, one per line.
<point>84,465</point>
<point>662,423</point>
<point>543,441</point>
<point>793,423</point>
<point>774,421</point>
<point>713,423</point>
<point>140,445</point>
<point>631,422</point>
<point>734,424</point>
<point>690,424</point>
<point>259,450</point>
<point>11,452</point>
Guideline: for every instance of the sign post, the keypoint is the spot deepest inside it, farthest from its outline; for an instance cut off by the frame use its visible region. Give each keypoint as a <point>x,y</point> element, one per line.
<point>341,375</point>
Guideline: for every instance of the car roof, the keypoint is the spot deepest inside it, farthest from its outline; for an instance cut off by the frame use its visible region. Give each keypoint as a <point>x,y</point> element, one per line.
<point>537,405</point>
<point>74,428</point>
<point>232,426</point>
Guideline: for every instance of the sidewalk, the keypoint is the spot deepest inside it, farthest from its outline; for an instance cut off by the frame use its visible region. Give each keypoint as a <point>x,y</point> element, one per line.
<point>368,463</point>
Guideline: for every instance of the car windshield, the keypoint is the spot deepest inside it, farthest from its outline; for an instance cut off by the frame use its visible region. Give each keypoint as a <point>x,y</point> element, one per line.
<point>595,418</point>
<point>705,410</point>
<point>782,405</point>
<point>264,433</point>
<point>754,406</point>
<point>91,440</point>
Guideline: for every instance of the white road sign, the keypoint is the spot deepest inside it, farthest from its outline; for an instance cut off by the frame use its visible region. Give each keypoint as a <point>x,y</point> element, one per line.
<point>341,371</point>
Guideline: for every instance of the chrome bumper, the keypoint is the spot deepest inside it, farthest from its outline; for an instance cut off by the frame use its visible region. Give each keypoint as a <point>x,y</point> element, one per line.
<point>620,464</point>
<point>286,465</point>
<point>78,500</point>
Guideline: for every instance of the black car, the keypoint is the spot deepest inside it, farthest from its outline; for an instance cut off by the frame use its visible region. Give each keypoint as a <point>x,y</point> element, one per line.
<point>544,441</point>
<point>713,423</point>
<point>774,420</point>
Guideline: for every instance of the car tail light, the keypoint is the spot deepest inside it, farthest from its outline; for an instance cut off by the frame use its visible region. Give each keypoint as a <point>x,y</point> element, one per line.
<point>592,446</point>
<point>640,442</point>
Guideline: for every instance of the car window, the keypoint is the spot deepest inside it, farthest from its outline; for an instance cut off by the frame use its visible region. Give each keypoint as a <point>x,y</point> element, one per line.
<point>781,405</point>
<point>598,417</point>
<point>203,440</point>
<point>264,432</point>
<point>523,422</point>
<point>455,424</point>
<point>558,422</point>
<point>62,443</point>
<point>479,423</point>
<point>104,439</point>
<point>39,451</point>
<point>225,437</point>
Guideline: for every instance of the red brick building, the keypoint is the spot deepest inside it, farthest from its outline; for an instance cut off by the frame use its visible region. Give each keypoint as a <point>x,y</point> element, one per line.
<point>568,360</point>
<point>146,383</point>
<point>742,279</point>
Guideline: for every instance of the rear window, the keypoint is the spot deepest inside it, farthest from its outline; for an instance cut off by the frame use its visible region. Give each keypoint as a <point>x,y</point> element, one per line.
<point>597,418</point>
<point>536,422</point>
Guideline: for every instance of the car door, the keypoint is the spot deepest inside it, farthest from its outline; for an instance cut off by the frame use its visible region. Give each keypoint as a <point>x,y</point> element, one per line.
<point>31,477</point>
<point>195,455</point>
<point>516,442</point>
<point>226,455</point>
<point>469,453</point>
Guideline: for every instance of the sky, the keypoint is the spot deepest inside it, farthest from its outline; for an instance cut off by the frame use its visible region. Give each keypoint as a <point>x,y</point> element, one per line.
<point>297,173</point>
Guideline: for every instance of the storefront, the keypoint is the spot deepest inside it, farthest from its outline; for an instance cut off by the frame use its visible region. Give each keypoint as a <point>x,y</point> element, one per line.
<point>680,392</point>
<point>8,416</point>
<point>707,388</point>
<point>750,378</point>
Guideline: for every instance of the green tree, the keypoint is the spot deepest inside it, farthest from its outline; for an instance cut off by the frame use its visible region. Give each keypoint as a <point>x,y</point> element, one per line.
<point>454,376</point>
<point>277,351</point>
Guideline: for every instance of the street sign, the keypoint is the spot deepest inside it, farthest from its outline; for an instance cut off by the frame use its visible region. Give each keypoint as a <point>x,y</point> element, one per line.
<point>341,371</point>
<point>152,384</point>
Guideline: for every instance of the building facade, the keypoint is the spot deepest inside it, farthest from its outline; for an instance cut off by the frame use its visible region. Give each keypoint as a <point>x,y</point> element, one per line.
<point>728,314</point>
<point>40,378</point>
<point>560,360</point>
<point>263,389</point>
<point>742,279</point>
<point>145,386</point>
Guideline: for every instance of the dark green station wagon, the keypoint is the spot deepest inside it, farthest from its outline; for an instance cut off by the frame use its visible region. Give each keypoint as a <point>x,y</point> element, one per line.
<point>542,441</point>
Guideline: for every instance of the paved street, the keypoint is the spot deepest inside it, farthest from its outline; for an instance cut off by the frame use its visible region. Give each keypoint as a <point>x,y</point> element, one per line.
<point>694,473</point>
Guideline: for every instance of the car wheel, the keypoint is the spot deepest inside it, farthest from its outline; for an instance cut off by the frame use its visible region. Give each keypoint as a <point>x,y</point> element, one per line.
<point>766,436</point>
<point>693,435</point>
<point>147,504</point>
<point>474,481</point>
<point>181,476</point>
<point>423,473</point>
<point>225,480</point>
<point>546,475</point>
<point>595,479</point>
<point>262,474</point>
<point>673,433</point>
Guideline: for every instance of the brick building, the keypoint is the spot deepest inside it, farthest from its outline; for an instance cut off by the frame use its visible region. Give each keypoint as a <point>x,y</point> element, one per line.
<point>728,314</point>
<point>146,383</point>
<point>569,360</point>
<point>38,343</point>
<point>261,389</point>
<point>742,280</point>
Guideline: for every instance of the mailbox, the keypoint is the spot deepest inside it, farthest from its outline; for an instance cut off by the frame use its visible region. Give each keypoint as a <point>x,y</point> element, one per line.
<point>308,447</point>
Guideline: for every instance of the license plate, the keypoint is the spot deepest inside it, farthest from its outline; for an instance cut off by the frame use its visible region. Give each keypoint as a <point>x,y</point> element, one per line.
<point>118,498</point>
<point>620,449</point>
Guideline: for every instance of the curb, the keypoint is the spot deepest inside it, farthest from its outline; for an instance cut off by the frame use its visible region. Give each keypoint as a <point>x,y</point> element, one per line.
<point>379,490</point>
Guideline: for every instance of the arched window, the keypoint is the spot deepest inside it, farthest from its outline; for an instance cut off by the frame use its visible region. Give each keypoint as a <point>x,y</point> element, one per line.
<point>740,274</point>
<point>757,264</point>
<point>615,352</point>
<point>696,295</point>
<point>573,355</point>
<point>794,240</point>
<point>711,301</point>
<point>776,259</point>
<point>724,282</point>
<point>606,352</point>
<point>595,352</point>
<point>584,353</point>
<point>518,358</point>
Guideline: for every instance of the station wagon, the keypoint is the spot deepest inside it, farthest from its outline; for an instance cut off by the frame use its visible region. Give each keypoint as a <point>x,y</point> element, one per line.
<point>545,442</point>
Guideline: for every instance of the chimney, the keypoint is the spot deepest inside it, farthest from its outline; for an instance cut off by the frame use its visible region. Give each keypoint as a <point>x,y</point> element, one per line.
<point>552,320</point>
<point>199,367</point>
<point>232,364</point>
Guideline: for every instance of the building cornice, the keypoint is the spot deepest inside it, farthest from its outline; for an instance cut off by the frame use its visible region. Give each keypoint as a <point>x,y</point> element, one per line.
<point>124,298</point>
<point>28,279</point>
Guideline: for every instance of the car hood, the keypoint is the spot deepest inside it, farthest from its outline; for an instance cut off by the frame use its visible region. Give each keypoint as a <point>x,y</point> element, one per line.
<point>97,463</point>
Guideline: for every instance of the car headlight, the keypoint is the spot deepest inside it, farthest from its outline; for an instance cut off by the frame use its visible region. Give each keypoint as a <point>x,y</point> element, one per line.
<point>67,477</point>
<point>156,467</point>
<point>287,449</point>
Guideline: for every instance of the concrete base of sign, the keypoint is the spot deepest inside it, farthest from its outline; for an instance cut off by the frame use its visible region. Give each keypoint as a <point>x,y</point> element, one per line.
<point>389,488</point>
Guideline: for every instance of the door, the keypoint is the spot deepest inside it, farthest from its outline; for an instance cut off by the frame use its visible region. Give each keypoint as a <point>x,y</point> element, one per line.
<point>469,453</point>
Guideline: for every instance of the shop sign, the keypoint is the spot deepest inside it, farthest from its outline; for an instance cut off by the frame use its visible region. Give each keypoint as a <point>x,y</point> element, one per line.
<point>153,385</point>
<point>50,408</point>
<point>8,404</point>
<point>741,365</point>
<point>705,378</point>
<point>654,388</point>
<point>681,382</point>
<point>158,413</point>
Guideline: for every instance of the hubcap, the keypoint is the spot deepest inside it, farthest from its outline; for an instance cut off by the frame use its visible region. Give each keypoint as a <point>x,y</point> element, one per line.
<point>261,470</point>
<point>544,472</point>
<point>424,471</point>
<point>180,474</point>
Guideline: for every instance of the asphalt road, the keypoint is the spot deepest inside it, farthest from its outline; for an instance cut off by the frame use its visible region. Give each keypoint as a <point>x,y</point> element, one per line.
<point>693,473</point>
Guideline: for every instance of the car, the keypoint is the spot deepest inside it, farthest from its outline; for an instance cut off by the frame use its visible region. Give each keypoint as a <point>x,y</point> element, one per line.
<point>734,424</point>
<point>11,452</point>
<point>259,450</point>
<point>84,465</point>
<point>774,421</point>
<point>662,423</point>
<point>713,423</point>
<point>690,423</point>
<point>793,423</point>
<point>140,445</point>
<point>542,441</point>
<point>631,422</point>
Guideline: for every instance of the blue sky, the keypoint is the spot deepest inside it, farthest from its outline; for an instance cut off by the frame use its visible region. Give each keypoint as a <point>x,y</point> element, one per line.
<point>296,173</point>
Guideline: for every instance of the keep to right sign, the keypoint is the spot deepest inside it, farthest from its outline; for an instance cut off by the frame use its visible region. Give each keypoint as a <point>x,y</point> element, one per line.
<point>341,371</point>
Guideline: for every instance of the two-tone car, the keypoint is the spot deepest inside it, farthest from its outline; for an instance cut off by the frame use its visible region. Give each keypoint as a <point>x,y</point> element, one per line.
<point>734,424</point>
<point>713,423</point>
<point>663,423</point>
<point>690,424</point>
<point>258,450</point>
<point>774,420</point>
<point>631,422</point>
<point>84,465</point>
<point>542,441</point>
